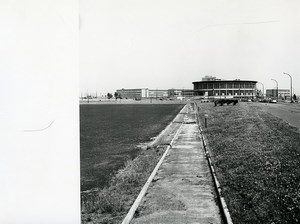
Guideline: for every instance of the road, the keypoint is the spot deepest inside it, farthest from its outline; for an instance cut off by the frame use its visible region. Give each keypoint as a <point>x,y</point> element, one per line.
<point>289,112</point>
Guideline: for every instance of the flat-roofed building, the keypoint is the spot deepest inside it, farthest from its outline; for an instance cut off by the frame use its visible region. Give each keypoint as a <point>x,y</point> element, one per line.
<point>133,93</point>
<point>282,93</point>
<point>180,92</point>
<point>158,93</point>
<point>209,78</point>
<point>140,93</point>
<point>217,88</point>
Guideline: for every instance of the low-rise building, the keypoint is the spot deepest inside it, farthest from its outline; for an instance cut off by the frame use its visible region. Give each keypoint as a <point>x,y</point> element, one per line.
<point>154,93</point>
<point>158,93</point>
<point>282,93</point>
<point>211,87</point>
<point>180,93</point>
<point>133,93</point>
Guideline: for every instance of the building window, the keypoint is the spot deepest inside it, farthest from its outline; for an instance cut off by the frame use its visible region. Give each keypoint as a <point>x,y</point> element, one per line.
<point>210,86</point>
<point>216,86</point>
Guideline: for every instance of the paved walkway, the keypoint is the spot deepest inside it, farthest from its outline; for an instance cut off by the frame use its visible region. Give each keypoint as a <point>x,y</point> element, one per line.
<point>182,190</point>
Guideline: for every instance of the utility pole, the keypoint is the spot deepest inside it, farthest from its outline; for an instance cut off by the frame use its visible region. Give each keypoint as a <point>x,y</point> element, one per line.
<point>276,88</point>
<point>291,85</point>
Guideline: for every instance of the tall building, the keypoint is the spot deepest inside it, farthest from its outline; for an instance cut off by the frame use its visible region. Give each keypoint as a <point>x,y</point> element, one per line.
<point>211,87</point>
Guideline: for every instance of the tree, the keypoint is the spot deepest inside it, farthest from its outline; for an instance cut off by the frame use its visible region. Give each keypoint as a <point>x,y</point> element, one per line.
<point>109,95</point>
<point>116,95</point>
<point>258,93</point>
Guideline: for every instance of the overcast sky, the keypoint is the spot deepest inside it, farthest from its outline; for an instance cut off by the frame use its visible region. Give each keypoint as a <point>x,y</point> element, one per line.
<point>171,43</point>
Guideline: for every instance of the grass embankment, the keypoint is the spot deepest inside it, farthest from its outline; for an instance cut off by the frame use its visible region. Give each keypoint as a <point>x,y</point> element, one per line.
<point>257,160</point>
<point>110,205</point>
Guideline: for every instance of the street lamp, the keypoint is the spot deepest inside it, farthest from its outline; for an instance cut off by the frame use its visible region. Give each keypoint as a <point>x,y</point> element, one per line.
<point>263,88</point>
<point>276,88</point>
<point>291,85</point>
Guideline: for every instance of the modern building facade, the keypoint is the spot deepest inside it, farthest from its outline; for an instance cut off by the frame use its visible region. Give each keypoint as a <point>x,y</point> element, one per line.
<point>180,93</point>
<point>154,93</point>
<point>211,87</point>
<point>283,94</point>
<point>133,93</point>
<point>158,93</point>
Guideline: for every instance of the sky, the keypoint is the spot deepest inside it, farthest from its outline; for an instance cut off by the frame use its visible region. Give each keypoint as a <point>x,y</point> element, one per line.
<point>162,44</point>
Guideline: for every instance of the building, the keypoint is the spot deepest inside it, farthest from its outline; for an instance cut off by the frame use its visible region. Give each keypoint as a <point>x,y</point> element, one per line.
<point>211,87</point>
<point>142,93</point>
<point>158,93</point>
<point>282,93</point>
<point>209,78</point>
<point>133,93</point>
<point>180,93</point>
<point>154,93</point>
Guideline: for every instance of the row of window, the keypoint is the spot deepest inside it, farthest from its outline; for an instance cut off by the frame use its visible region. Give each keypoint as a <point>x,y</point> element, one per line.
<point>224,86</point>
<point>130,92</point>
<point>226,93</point>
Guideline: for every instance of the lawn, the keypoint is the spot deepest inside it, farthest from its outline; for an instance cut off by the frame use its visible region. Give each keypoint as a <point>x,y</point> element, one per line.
<point>257,160</point>
<point>110,134</point>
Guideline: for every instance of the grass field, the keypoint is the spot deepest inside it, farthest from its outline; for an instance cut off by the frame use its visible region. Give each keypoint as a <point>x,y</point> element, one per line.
<point>109,135</point>
<point>257,160</point>
<point>135,124</point>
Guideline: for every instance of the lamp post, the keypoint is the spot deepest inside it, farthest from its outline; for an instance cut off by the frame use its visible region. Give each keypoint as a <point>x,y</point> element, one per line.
<point>276,88</point>
<point>263,88</point>
<point>291,85</point>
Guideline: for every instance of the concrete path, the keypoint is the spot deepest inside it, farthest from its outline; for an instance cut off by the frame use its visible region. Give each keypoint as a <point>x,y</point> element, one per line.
<point>182,190</point>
